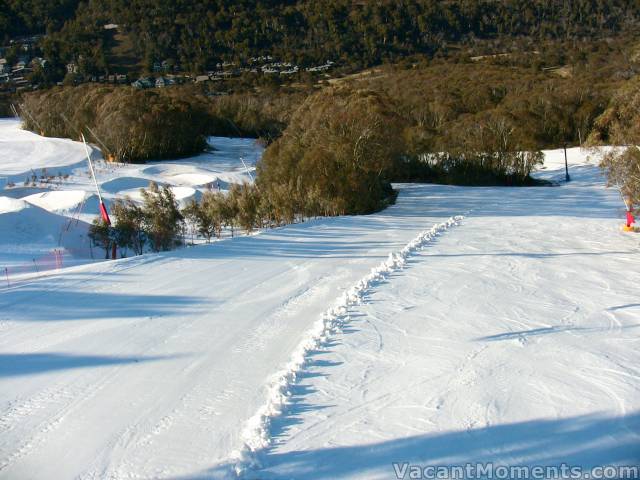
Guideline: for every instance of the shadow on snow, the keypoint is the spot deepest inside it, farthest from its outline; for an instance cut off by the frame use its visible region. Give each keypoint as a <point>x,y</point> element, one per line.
<point>20,364</point>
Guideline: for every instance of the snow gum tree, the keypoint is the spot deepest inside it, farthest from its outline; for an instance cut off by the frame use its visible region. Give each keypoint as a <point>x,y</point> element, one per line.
<point>162,218</point>
<point>247,199</point>
<point>101,235</point>
<point>129,225</point>
<point>208,215</point>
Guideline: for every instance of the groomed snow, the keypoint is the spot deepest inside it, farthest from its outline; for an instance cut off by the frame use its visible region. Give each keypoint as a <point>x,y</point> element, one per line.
<point>310,352</point>
<point>512,340</point>
<point>8,205</point>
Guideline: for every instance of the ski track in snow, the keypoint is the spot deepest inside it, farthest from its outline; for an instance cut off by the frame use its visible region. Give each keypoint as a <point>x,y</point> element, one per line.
<point>256,433</point>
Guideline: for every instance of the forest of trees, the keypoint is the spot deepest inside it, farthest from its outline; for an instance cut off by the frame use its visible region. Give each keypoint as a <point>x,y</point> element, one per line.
<point>27,17</point>
<point>335,149</point>
<point>196,34</point>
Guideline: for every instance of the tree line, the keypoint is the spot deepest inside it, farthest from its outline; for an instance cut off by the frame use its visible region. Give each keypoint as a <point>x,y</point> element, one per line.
<point>131,125</point>
<point>198,34</point>
<point>159,224</point>
<point>337,149</point>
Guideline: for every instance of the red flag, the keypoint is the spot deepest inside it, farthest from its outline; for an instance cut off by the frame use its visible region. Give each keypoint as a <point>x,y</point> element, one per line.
<point>105,215</point>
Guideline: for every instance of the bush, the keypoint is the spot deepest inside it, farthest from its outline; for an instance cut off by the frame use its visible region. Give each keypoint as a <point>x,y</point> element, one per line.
<point>247,201</point>
<point>209,216</point>
<point>335,157</point>
<point>162,218</point>
<point>622,167</point>
<point>101,235</point>
<point>129,231</point>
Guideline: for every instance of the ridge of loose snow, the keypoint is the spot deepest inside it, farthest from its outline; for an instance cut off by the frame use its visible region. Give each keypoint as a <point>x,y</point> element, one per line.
<point>256,434</point>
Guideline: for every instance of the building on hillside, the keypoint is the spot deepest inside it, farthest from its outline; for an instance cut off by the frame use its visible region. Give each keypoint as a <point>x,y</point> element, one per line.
<point>143,83</point>
<point>162,82</point>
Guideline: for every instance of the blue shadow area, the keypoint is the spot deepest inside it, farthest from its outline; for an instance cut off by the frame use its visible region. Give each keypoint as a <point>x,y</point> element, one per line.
<point>585,441</point>
<point>20,364</point>
<point>45,304</point>
<point>547,331</point>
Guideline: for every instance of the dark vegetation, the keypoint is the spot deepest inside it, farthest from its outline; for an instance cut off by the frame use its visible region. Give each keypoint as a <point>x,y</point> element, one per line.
<point>137,125</point>
<point>335,149</point>
<point>156,223</point>
<point>197,34</point>
<point>131,125</point>
<point>336,156</point>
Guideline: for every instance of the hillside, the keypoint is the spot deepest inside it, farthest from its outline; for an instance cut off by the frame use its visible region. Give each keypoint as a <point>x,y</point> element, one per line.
<point>196,36</point>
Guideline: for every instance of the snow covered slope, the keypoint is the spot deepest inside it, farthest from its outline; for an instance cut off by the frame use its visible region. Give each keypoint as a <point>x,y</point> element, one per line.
<point>510,333</point>
<point>512,339</point>
<point>53,174</point>
<point>24,152</point>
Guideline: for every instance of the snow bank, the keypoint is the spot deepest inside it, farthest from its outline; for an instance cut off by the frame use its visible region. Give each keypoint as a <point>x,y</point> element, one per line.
<point>121,184</point>
<point>28,231</point>
<point>256,434</point>
<point>182,194</point>
<point>57,200</point>
<point>24,152</point>
<point>22,223</point>
<point>8,205</point>
<point>192,179</point>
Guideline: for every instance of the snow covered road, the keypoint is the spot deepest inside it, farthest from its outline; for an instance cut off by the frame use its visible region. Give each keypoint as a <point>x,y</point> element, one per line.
<point>514,332</point>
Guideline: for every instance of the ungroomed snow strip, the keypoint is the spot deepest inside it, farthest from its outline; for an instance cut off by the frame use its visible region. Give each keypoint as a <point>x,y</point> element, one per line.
<point>256,434</point>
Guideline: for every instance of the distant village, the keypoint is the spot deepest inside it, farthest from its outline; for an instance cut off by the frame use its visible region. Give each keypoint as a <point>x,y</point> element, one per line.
<point>17,73</point>
<point>14,75</point>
